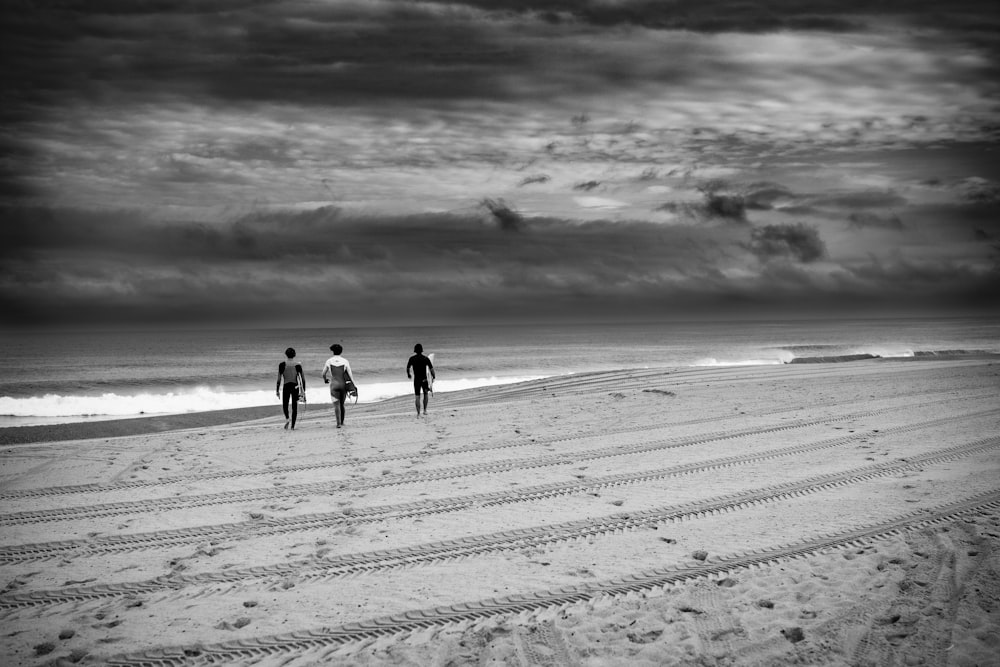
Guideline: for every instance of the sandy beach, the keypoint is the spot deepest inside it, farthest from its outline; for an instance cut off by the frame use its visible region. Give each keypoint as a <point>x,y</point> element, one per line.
<point>814,514</point>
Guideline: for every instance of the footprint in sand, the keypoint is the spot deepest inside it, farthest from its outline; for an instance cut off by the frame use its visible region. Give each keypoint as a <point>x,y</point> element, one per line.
<point>44,649</point>
<point>235,625</point>
<point>793,635</point>
<point>18,582</point>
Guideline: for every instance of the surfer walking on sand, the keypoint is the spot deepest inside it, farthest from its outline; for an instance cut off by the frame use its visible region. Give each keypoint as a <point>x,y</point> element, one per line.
<point>420,365</point>
<point>291,381</point>
<point>336,372</point>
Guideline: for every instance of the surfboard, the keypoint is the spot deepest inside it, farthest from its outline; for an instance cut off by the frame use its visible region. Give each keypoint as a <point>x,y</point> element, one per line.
<point>430,378</point>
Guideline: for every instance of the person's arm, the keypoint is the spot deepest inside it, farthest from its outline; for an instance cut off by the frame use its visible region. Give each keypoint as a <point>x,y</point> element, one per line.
<point>347,367</point>
<point>281,371</point>
<point>326,373</point>
<point>409,365</point>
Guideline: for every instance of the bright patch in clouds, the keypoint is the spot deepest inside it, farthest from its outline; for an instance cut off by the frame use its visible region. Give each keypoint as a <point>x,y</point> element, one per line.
<point>599,202</point>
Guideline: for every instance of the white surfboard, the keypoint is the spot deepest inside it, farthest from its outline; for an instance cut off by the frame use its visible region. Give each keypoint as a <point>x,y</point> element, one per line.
<point>430,378</point>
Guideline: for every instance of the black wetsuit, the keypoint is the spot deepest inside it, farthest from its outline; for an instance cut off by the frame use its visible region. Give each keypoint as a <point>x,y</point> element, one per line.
<point>420,365</point>
<point>290,388</point>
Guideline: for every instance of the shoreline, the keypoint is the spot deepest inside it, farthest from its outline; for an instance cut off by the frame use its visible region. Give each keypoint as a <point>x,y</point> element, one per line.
<point>140,425</point>
<point>113,428</point>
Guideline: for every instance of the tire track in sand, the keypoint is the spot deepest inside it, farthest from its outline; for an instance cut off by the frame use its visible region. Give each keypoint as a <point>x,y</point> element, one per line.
<point>538,536</point>
<point>257,648</point>
<point>279,525</point>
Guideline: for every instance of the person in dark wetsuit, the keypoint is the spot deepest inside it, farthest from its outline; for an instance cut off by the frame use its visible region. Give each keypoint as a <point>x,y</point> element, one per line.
<point>335,373</point>
<point>291,380</point>
<point>420,365</point>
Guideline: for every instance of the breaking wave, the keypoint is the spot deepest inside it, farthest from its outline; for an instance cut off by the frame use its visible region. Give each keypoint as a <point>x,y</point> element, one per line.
<point>55,407</point>
<point>919,354</point>
<point>712,361</point>
<point>814,355</point>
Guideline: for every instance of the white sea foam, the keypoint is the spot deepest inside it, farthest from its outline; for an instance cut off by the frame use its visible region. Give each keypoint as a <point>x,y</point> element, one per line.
<point>712,361</point>
<point>53,407</point>
<point>782,356</point>
<point>891,353</point>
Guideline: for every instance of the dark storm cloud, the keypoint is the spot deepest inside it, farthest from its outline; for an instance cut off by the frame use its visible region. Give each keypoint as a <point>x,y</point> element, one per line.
<point>861,207</point>
<point>345,53</point>
<point>796,241</point>
<point>104,94</point>
<point>731,15</point>
<point>189,111</point>
<point>726,207</point>
<point>320,234</point>
<point>14,181</point>
<point>72,266</point>
<point>715,205</point>
<point>334,54</point>
<point>880,287</point>
<point>860,200</point>
<point>951,227</point>
<point>979,190</point>
<point>926,282</point>
<point>731,202</point>
<point>506,217</point>
<point>62,262</point>
<point>13,185</point>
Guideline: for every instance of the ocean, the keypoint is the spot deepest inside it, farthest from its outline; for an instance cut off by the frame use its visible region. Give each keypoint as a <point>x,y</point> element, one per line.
<point>59,377</point>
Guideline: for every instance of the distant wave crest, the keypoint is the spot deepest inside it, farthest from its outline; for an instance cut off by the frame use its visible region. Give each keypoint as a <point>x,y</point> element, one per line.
<point>712,361</point>
<point>919,354</point>
<point>788,355</point>
<point>110,404</point>
<point>834,359</point>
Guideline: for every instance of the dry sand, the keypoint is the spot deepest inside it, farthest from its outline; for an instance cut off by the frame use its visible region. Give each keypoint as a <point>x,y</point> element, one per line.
<point>828,514</point>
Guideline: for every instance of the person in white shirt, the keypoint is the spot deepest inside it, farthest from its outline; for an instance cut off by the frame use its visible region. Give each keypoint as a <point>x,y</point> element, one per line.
<point>336,371</point>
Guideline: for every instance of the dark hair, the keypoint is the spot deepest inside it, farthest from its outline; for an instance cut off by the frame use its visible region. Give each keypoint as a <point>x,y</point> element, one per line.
<point>418,348</point>
<point>290,353</point>
<point>336,348</point>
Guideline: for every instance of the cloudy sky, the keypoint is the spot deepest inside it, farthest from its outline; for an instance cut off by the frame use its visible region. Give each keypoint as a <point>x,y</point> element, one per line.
<point>391,161</point>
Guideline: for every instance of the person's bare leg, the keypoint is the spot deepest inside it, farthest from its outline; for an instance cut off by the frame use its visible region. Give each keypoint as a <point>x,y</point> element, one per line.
<point>426,397</point>
<point>416,403</point>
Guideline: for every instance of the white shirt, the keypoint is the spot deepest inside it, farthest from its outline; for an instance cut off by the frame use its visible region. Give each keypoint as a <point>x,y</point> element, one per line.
<point>337,360</point>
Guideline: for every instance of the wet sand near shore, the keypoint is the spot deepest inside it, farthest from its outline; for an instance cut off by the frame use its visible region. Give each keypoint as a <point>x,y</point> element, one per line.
<point>113,428</point>
<point>821,514</point>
